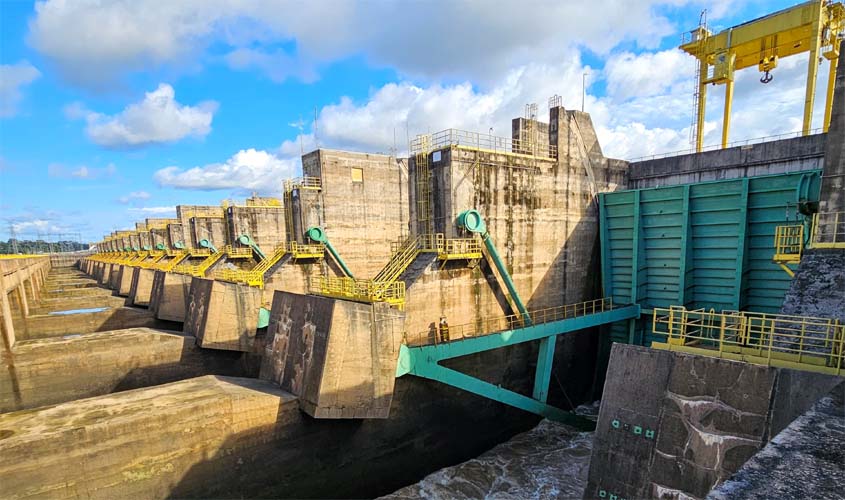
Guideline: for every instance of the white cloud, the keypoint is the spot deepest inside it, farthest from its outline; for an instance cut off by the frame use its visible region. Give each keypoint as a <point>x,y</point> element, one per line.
<point>134,196</point>
<point>158,118</point>
<point>152,210</point>
<point>277,65</point>
<point>96,43</point>
<point>647,74</point>
<point>12,78</point>
<point>247,170</point>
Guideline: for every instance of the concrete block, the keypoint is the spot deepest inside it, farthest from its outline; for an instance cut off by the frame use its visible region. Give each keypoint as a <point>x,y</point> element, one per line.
<point>142,287</point>
<point>338,356</point>
<point>223,315</point>
<point>169,297</point>
<point>124,278</point>
<point>677,424</point>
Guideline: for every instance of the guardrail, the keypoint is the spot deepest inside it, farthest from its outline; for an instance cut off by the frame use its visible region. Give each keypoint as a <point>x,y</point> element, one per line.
<point>440,332</point>
<point>714,147</point>
<point>800,342</point>
<point>828,230</point>
<point>360,290</point>
<point>789,244</point>
<point>487,142</point>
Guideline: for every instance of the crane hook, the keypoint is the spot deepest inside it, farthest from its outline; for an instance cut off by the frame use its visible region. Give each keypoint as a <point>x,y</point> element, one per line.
<point>766,78</point>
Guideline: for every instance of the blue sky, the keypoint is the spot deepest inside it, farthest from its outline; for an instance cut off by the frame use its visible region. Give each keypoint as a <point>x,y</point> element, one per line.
<point>111,112</point>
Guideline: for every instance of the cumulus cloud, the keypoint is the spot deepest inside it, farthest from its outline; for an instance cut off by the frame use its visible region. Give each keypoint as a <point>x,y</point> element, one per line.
<point>13,77</point>
<point>437,39</point>
<point>277,65</point>
<point>158,118</point>
<point>247,170</point>
<point>133,197</point>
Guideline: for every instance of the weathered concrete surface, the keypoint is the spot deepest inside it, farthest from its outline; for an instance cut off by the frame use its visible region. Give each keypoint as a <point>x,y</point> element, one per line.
<point>218,437</point>
<point>832,197</point>
<point>223,315</point>
<point>361,217</point>
<point>818,287</point>
<point>169,296</point>
<point>264,225</point>
<point>707,415</point>
<point>806,460</point>
<point>60,369</point>
<point>124,280</point>
<point>338,356</point>
<point>142,287</point>
<point>44,326</point>
<point>766,158</point>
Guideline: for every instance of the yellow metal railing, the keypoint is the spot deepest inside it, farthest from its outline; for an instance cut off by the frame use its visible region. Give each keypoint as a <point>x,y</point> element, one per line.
<point>828,230</point>
<point>238,252</point>
<point>203,212</point>
<point>360,290</point>
<point>249,277</point>
<point>303,183</point>
<point>798,342</point>
<point>441,332</point>
<point>789,244</point>
<point>199,270</point>
<point>484,142</point>
<point>306,250</point>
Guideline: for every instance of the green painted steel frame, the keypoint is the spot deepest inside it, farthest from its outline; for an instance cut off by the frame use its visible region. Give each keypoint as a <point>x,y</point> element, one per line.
<point>702,245</point>
<point>423,361</point>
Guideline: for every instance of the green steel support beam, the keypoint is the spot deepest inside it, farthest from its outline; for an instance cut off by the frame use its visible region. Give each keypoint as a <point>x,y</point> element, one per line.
<point>423,361</point>
<point>742,245</point>
<point>317,234</point>
<point>543,372</point>
<point>245,239</point>
<point>204,243</point>
<point>684,255</point>
<point>473,345</point>
<point>635,263</point>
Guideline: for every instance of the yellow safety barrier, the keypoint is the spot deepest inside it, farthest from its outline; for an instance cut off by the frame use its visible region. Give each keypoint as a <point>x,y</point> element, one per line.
<point>238,252</point>
<point>797,342</point>
<point>828,230</point>
<point>360,290</point>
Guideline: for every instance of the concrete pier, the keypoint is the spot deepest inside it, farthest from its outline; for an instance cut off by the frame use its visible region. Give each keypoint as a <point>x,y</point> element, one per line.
<point>169,296</point>
<point>60,369</point>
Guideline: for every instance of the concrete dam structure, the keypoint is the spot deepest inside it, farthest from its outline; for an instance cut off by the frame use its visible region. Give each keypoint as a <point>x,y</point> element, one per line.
<point>382,318</point>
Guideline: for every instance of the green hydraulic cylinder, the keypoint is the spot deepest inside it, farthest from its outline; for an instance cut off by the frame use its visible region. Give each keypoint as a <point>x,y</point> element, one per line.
<point>244,239</point>
<point>204,243</point>
<point>472,221</point>
<point>317,234</point>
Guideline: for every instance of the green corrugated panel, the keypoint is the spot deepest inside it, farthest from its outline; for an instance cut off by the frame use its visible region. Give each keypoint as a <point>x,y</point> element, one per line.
<point>726,233</point>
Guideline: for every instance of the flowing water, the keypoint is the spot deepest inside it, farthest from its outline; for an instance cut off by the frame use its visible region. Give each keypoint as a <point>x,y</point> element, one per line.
<point>549,461</point>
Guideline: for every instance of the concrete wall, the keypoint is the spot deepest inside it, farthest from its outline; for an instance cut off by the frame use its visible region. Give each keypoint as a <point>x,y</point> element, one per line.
<point>265,225</point>
<point>675,424</point>
<point>540,214</point>
<point>803,461</point>
<point>360,218</point>
<point>818,287</point>
<point>56,370</point>
<point>212,229</point>
<point>774,157</point>
<point>833,179</point>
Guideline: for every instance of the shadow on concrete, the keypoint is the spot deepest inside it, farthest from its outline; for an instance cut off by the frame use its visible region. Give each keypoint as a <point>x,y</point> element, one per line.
<point>431,426</point>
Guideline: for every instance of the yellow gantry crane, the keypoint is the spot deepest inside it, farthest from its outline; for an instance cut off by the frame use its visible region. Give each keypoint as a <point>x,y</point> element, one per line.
<point>813,27</point>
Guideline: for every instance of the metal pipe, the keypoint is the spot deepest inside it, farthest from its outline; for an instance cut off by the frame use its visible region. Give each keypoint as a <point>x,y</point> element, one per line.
<point>317,234</point>
<point>204,243</point>
<point>471,221</point>
<point>244,239</point>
